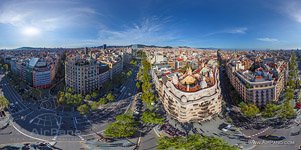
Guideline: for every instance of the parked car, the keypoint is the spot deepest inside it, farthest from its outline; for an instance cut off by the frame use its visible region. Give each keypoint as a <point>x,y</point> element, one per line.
<point>298,106</point>
<point>272,137</point>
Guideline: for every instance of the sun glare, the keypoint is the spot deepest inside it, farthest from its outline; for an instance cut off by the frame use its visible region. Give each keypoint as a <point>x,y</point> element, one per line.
<point>31,31</point>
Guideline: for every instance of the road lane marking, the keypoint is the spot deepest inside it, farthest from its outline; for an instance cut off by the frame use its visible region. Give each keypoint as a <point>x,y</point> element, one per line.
<point>41,115</point>
<point>58,130</point>
<point>256,133</point>
<point>27,135</point>
<point>74,124</point>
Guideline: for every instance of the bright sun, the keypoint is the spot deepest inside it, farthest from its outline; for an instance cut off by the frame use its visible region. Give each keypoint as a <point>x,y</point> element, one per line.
<point>31,31</point>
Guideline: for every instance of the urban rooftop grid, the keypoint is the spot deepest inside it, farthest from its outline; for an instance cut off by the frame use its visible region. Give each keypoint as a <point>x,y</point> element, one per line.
<point>150,75</point>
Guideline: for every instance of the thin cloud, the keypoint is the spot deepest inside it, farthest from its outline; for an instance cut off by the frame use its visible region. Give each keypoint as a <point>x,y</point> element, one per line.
<point>37,13</point>
<point>292,9</point>
<point>149,31</point>
<point>241,30</point>
<point>237,30</point>
<point>267,39</point>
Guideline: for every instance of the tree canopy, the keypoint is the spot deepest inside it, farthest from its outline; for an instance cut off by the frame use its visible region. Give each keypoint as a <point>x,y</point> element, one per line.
<point>193,142</point>
<point>94,95</point>
<point>249,110</point>
<point>88,97</point>
<point>270,110</point>
<point>83,109</point>
<point>151,117</point>
<point>94,105</point>
<point>147,95</point>
<point>124,126</point>
<point>287,110</point>
<point>289,94</point>
<point>69,97</point>
<point>103,100</point>
<point>129,73</point>
<point>3,102</point>
<point>110,97</point>
<point>61,100</point>
<point>5,66</point>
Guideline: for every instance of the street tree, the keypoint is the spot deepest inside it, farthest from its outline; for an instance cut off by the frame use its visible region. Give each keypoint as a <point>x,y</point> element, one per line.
<point>289,94</point>
<point>5,66</point>
<point>83,109</point>
<point>3,103</point>
<point>129,73</point>
<point>138,85</point>
<point>287,110</point>
<point>88,97</point>
<point>133,62</point>
<point>145,77</point>
<point>94,105</point>
<point>249,110</point>
<point>193,142</point>
<point>146,86</point>
<point>124,126</point>
<point>70,90</point>
<point>270,110</point>
<point>151,117</point>
<point>103,100</point>
<point>68,97</point>
<point>110,97</point>
<point>140,74</point>
<point>94,94</point>
<point>290,83</point>
<point>60,98</point>
<point>77,99</point>
<point>148,98</point>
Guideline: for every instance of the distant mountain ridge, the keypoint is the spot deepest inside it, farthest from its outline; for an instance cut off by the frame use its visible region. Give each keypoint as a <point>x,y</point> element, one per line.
<point>109,46</point>
<point>28,48</point>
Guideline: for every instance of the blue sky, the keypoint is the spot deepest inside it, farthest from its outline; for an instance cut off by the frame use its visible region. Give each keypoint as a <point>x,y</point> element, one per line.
<point>204,23</point>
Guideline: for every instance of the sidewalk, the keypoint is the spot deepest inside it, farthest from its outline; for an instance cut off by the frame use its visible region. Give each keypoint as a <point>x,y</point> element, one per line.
<point>211,128</point>
<point>4,121</point>
<point>118,144</point>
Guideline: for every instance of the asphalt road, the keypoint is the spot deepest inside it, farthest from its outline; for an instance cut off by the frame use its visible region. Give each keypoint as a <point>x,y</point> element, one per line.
<point>44,121</point>
<point>148,141</point>
<point>291,142</point>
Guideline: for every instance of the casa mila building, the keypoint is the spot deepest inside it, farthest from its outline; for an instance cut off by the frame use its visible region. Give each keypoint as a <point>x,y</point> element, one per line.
<point>191,95</point>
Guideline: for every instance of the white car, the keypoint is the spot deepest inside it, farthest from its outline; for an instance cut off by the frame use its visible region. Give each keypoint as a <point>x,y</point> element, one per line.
<point>228,109</point>
<point>136,112</point>
<point>228,126</point>
<point>224,129</point>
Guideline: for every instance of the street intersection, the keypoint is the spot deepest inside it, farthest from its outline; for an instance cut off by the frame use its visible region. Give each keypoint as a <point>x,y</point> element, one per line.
<point>44,120</point>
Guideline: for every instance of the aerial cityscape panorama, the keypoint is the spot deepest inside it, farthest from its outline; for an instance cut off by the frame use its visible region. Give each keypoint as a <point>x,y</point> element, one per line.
<point>150,75</point>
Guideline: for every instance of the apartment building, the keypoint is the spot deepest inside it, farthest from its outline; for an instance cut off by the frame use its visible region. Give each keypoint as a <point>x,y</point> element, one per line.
<point>189,95</point>
<point>88,71</point>
<point>260,81</point>
<point>81,74</point>
<point>37,72</point>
